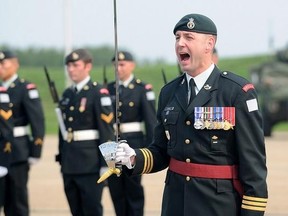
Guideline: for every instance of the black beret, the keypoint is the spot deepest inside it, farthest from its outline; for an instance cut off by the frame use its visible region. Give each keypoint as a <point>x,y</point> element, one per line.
<point>196,23</point>
<point>79,54</point>
<point>124,56</point>
<point>6,55</point>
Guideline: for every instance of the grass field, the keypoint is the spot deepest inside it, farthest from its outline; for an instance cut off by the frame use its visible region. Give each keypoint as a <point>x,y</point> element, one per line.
<point>148,73</point>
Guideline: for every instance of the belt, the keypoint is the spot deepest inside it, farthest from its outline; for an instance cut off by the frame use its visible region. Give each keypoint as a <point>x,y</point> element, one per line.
<point>20,131</point>
<point>82,135</point>
<point>207,171</point>
<point>131,127</point>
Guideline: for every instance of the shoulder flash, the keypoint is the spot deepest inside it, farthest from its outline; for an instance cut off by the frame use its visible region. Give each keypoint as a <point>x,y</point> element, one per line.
<point>2,89</point>
<point>104,91</point>
<point>148,87</point>
<point>30,86</point>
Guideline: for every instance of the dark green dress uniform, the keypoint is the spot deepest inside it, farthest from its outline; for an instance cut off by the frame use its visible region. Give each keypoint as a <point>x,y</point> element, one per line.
<point>27,115</point>
<point>198,185</point>
<point>137,121</point>
<point>6,137</point>
<point>88,118</point>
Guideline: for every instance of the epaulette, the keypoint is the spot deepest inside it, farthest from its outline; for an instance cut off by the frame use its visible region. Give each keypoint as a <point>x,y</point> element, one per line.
<point>244,83</point>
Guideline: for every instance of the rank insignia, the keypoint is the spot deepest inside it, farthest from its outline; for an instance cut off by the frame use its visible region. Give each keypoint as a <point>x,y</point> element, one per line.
<point>5,114</point>
<point>38,141</point>
<point>191,23</point>
<point>7,147</point>
<point>214,118</point>
<point>107,118</point>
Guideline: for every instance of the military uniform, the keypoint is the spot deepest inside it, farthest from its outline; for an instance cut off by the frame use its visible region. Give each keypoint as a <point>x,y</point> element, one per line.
<point>6,137</point>
<point>27,115</point>
<point>137,117</point>
<point>88,118</point>
<point>219,165</point>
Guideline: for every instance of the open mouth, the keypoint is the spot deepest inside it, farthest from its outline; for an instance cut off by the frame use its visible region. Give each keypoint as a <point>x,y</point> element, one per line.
<point>184,57</point>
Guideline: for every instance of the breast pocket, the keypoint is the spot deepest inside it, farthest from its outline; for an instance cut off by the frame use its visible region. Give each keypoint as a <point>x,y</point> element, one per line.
<point>170,124</point>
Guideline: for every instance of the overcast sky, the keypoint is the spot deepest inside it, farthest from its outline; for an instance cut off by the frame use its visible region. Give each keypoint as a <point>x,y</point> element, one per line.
<point>144,26</point>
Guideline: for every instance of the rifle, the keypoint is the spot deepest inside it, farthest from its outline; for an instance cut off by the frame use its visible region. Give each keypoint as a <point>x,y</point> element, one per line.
<point>55,98</point>
<point>164,76</point>
<point>52,87</point>
<point>105,80</point>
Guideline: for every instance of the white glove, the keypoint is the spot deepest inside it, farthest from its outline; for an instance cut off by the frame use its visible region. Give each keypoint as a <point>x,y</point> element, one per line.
<point>3,171</point>
<point>103,170</point>
<point>123,154</point>
<point>33,160</point>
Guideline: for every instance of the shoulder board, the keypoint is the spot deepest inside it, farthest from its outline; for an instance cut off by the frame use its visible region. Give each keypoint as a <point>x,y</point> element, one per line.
<point>241,81</point>
<point>104,91</point>
<point>30,86</point>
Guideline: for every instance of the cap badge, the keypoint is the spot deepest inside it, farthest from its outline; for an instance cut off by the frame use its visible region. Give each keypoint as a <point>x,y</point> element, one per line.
<point>75,56</point>
<point>121,56</point>
<point>191,23</point>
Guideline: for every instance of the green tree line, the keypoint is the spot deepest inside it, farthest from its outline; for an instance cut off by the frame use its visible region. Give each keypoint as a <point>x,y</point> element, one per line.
<point>35,57</point>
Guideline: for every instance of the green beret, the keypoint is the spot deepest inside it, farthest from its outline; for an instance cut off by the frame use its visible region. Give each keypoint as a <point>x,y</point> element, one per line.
<point>79,54</point>
<point>124,56</point>
<point>6,55</point>
<point>196,23</point>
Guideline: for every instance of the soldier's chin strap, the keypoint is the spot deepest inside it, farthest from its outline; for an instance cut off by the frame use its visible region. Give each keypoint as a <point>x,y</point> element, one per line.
<point>114,168</point>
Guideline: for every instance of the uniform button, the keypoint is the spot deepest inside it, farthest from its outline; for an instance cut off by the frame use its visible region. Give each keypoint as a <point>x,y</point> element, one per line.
<point>188,160</point>
<point>187,178</point>
<point>188,122</point>
<point>119,114</point>
<point>69,129</point>
<point>165,120</point>
<point>120,103</point>
<point>187,141</point>
<point>72,108</point>
<point>131,104</point>
<point>70,119</point>
<point>10,105</point>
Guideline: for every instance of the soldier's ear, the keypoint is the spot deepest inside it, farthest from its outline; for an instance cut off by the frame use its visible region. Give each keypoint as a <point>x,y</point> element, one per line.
<point>89,66</point>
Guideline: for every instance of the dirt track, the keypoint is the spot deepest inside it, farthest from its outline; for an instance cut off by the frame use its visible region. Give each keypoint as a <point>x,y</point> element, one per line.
<point>47,195</point>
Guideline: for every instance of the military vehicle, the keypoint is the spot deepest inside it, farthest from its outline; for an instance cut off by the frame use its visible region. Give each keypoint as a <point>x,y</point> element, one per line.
<point>271,82</point>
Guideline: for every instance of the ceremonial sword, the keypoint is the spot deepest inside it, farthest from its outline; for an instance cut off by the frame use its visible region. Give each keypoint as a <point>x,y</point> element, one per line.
<point>108,149</point>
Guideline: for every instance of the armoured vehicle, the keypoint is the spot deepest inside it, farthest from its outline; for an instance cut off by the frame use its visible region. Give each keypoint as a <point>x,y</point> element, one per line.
<point>271,82</point>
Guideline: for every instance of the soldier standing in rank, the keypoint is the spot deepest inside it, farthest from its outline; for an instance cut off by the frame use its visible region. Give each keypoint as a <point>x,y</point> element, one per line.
<point>209,134</point>
<point>6,139</point>
<point>137,117</point>
<point>28,116</point>
<point>87,115</point>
